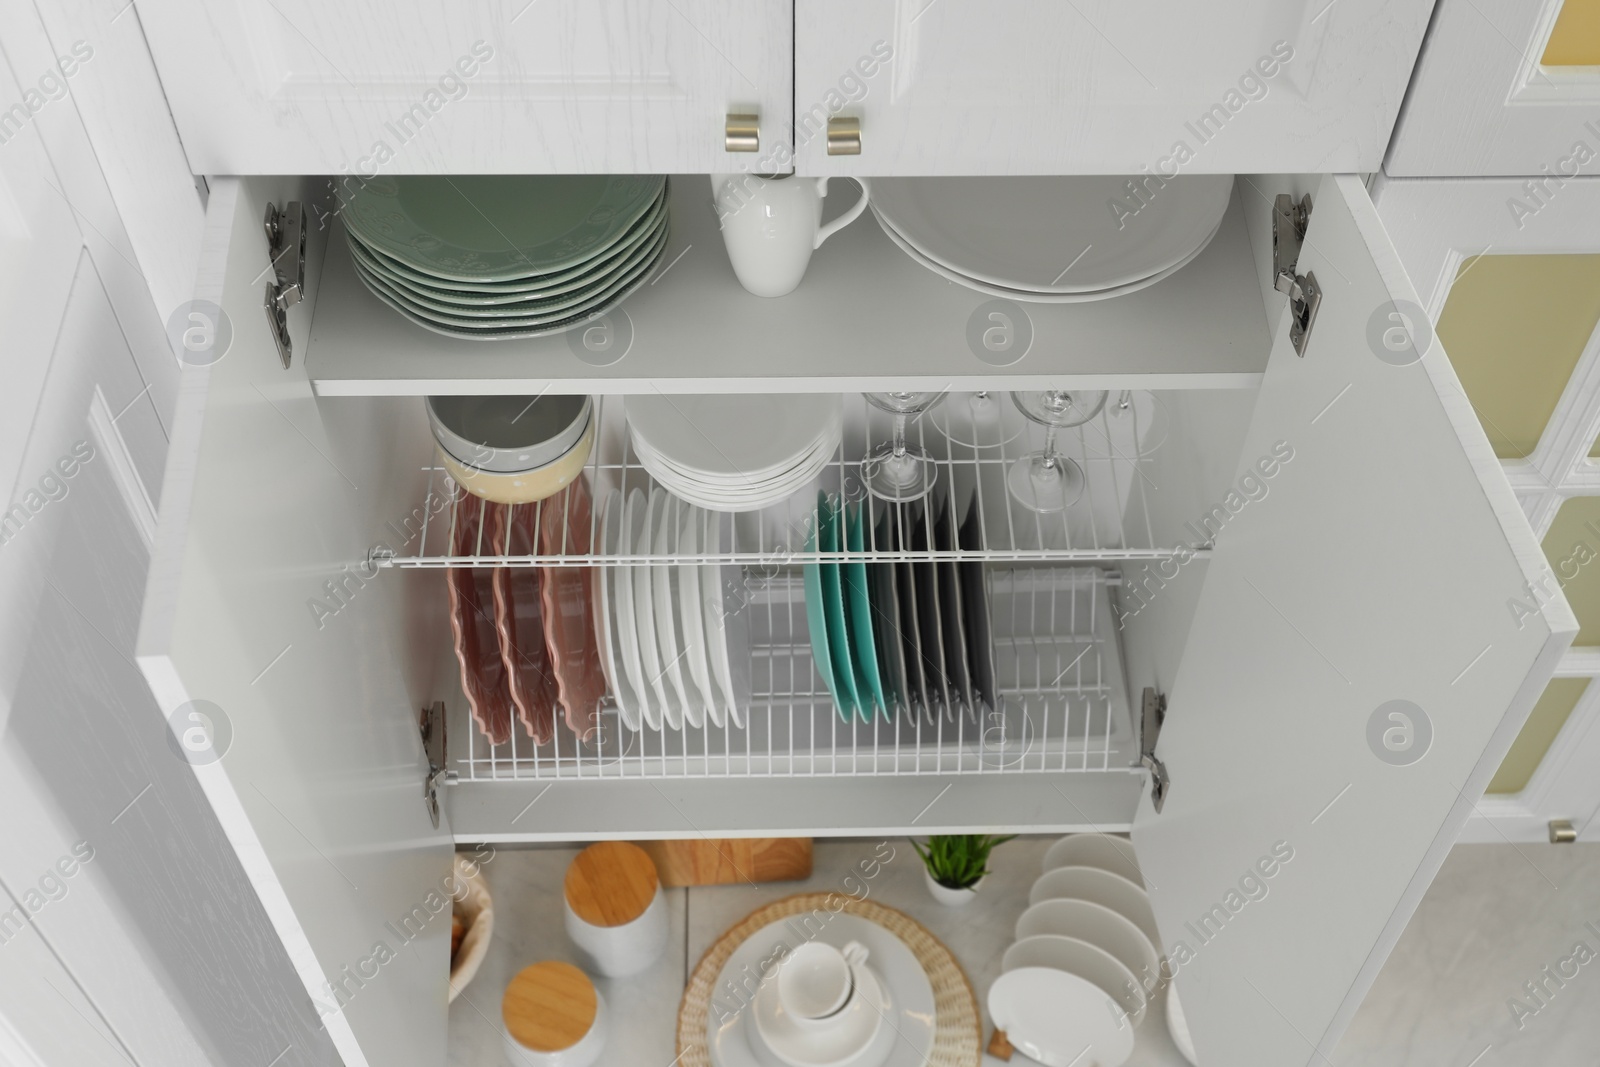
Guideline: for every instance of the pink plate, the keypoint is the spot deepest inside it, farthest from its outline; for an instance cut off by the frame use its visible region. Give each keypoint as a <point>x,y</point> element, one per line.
<point>483,674</point>
<point>565,527</point>
<point>518,620</point>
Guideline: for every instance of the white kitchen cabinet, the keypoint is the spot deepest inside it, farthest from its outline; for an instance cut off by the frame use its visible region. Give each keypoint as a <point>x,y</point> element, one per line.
<point>533,86</point>
<point>1034,87</point>
<point>1484,101</point>
<point>1371,566</point>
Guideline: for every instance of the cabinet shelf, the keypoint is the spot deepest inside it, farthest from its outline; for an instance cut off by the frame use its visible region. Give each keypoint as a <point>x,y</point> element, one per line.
<point>865,317</point>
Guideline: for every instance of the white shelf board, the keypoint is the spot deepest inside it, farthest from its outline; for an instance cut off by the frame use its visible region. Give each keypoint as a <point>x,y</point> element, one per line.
<point>865,318</point>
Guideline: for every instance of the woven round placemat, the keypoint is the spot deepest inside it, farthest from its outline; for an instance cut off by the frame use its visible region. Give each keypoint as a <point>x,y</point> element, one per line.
<point>957,1033</point>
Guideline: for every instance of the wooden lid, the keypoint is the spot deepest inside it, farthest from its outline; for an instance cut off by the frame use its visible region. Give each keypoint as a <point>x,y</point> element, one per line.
<point>611,883</point>
<point>549,1007</point>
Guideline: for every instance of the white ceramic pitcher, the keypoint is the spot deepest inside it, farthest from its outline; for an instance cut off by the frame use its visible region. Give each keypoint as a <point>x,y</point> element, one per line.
<point>772,225</point>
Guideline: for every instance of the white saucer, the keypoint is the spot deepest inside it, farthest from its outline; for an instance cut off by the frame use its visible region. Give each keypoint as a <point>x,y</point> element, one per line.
<point>860,1036</point>
<point>1060,1019</point>
<point>728,1035</point>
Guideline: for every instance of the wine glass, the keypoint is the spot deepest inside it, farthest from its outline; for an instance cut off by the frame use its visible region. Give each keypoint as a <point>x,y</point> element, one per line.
<point>896,470</point>
<point>1046,481</point>
<point>978,420</point>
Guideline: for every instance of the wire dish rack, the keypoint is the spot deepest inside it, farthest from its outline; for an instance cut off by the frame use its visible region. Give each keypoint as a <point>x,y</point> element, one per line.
<point>1063,704</point>
<point>1109,522</point>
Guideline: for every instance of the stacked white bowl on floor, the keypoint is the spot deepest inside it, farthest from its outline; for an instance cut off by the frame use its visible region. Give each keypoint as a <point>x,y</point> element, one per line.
<point>1086,958</point>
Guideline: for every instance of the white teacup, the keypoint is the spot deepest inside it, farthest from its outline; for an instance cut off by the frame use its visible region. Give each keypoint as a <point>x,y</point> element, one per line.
<point>817,981</point>
<point>772,225</point>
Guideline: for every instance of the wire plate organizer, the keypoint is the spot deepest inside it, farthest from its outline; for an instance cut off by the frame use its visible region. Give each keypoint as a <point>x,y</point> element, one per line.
<point>1063,701</point>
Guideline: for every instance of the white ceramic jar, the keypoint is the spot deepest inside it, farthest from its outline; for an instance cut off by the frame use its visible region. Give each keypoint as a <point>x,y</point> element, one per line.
<point>554,1017</point>
<point>614,909</point>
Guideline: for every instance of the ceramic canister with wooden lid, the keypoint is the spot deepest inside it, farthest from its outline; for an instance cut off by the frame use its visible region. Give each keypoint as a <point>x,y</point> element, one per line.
<point>554,1017</point>
<point>615,910</point>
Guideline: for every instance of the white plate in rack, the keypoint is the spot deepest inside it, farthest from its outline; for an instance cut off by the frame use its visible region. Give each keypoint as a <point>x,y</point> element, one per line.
<point>1059,1019</point>
<point>644,614</point>
<point>691,613</point>
<point>727,621</point>
<point>664,536</point>
<point>729,1034</point>
<point>1106,851</point>
<point>626,618</point>
<point>607,619</point>
<point>1100,887</point>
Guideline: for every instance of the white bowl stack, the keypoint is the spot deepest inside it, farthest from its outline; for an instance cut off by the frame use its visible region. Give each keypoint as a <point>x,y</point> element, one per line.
<point>1087,956</point>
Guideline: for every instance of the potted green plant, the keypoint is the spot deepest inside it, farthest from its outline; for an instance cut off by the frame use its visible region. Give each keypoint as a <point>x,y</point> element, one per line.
<point>956,864</point>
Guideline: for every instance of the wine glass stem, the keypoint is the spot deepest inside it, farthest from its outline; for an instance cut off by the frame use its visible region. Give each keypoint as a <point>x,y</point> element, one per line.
<point>899,436</point>
<point>1049,461</point>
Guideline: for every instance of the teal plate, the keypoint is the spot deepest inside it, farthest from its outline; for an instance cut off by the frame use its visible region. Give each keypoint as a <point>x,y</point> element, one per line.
<point>833,605</point>
<point>497,227</point>
<point>856,598</point>
<point>816,621</point>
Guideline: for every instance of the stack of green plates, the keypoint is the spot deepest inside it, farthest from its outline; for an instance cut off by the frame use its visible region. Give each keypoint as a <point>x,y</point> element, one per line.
<point>494,257</point>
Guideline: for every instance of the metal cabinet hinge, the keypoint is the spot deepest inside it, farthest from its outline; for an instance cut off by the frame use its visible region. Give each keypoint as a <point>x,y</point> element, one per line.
<point>1289,222</point>
<point>286,245</point>
<point>1154,713</point>
<point>431,724</point>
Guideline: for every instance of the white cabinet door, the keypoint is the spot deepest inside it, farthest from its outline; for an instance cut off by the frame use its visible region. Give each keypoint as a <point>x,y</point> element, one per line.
<point>1484,101</point>
<point>1364,650</point>
<point>527,86</point>
<point>287,670</point>
<point>1096,86</point>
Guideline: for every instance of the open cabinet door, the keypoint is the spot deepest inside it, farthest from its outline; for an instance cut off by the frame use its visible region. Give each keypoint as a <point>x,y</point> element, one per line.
<point>284,668</point>
<point>1369,638</point>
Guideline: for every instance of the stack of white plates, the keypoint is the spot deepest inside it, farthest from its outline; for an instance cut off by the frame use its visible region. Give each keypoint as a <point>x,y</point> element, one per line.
<point>493,257</point>
<point>1053,239</point>
<point>1086,960</point>
<point>735,452</point>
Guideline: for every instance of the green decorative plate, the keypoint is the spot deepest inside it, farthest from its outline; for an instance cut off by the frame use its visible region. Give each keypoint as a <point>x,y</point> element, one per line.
<point>816,619</point>
<point>523,289</point>
<point>856,599</point>
<point>844,668</point>
<point>497,227</point>
<point>498,331</point>
<point>524,314</point>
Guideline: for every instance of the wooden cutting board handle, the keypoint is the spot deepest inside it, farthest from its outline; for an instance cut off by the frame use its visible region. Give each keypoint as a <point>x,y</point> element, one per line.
<point>730,861</point>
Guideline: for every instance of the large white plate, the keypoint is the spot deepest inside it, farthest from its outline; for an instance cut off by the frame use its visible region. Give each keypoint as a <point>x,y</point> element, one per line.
<point>1084,959</point>
<point>607,631</point>
<point>1027,296</point>
<point>644,613</point>
<point>1100,926</point>
<point>1059,1019</point>
<point>1109,853</point>
<point>1101,887</point>
<point>622,581</point>
<point>727,622</point>
<point>742,436</point>
<point>1053,234</point>
<point>727,1033</point>
<point>664,524</point>
<point>686,579</point>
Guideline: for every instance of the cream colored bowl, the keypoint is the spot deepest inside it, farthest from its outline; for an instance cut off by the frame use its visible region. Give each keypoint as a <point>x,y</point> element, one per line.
<point>524,487</point>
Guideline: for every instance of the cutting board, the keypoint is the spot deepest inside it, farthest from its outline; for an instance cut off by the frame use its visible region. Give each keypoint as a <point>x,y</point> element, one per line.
<point>725,861</point>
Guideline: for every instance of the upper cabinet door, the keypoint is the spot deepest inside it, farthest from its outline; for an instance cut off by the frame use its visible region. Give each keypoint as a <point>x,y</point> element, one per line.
<point>1371,634</point>
<point>1505,87</point>
<point>527,86</point>
<point>1096,86</point>
<point>286,667</point>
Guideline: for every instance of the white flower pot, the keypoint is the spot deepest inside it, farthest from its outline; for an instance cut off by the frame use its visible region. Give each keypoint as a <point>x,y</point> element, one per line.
<point>952,898</point>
